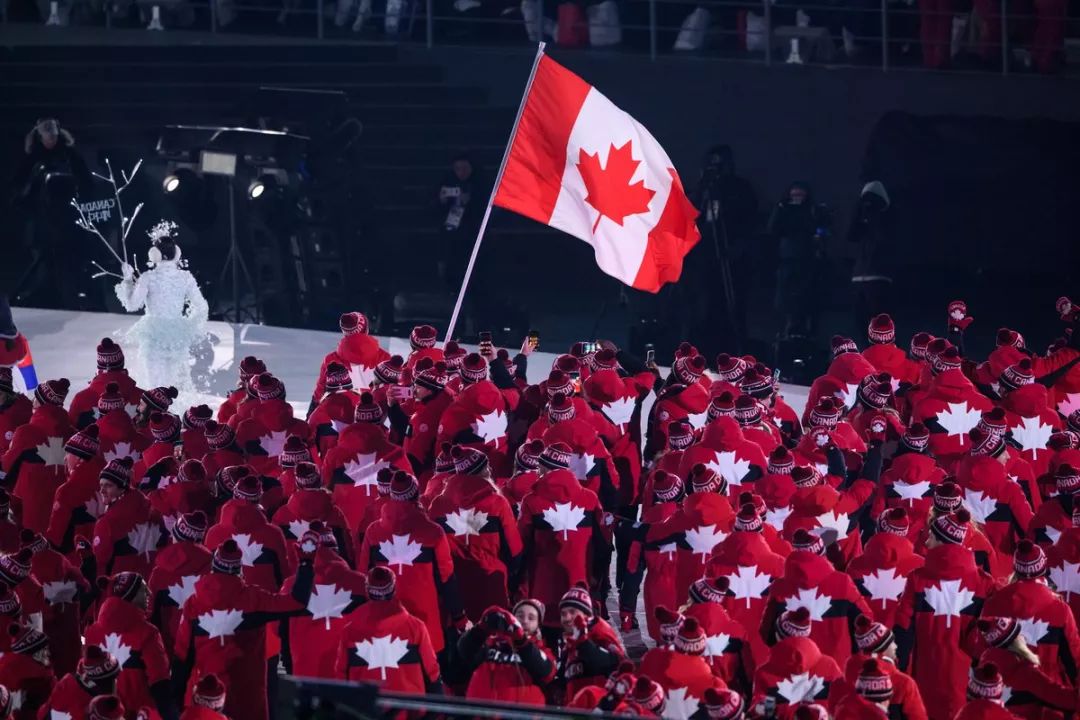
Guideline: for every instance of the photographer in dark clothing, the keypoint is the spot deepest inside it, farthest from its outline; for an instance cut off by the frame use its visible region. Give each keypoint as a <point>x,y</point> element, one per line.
<point>49,175</point>
<point>872,276</point>
<point>800,228</point>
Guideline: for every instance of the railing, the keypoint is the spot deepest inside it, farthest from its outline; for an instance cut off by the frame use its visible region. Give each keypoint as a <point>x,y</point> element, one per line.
<point>868,33</point>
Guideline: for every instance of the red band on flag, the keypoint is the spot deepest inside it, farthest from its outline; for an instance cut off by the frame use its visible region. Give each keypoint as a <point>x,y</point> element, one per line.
<point>532,179</point>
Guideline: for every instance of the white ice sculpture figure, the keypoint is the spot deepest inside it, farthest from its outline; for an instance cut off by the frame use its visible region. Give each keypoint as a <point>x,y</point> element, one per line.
<point>175,313</point>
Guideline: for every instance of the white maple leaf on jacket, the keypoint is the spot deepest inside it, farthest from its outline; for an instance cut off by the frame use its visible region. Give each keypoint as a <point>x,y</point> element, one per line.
<point>777,516</point>
<point>1066,578</point>
<point>1032,434</point>
<point>958,419</point>
<point>564,518</point>
<point>1052,533</point>
<point>466,521</point>
<point>1068,404</point>
<point>361,375</point>
<point>716,645</point>
<point>832,526</point>
<point>221,623</point>
<point>581,464</point>
<point>490,427</point>
<point>980,504</point>
<point>803,687</point>
<point>249,549</point>
<point>884,585</point>
<point>363,471</point>
<point>59,592</point>
<point>120,451</point>
<point>51,451</point>
<point>747,584</point>
<point>273,443</point>
<point>816,604</point>
<point>328,602</point>
<point>620,411</point>
<point>850,394</point>
<point>182,590</point>
<point>910,491</point>
<point>297,528</point>
<point>727,465</point>
<point>382,653</point>
<point>59,715</point>
<point>1033,630</point>
<point>144,538</point>
<point>703,539</point>
<point>116,647</point>
<point>680,704</point>
<point>400,550</point>
<point>948,599</point>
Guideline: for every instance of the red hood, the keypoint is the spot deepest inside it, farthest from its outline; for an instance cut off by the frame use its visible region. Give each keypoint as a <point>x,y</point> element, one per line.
<point>604,386</point>
<point>52,420</point>
<point>315,503</point>
<point>482,398</point>
<point>886,550</point>
<point>792,656</point>
<point>120,377</point>
<point>274,414</point>
<point>339,405</point>
<point>1028,401</point>
<point>776,490</point>
<point>220,587</point>
<point>951,386</point>
<point>850,368</point>
<point>242,515</point>
<point>814,501</point>
<point>399,512</point>
<point>364,435</point>
<point>950,561</point>
<point>558,486</point>
<point>914,468</point>
<point>711,508</point>
<point>744,548</point>
<point>981,473</point>
<point>468,490</point>
<point>172,562</point>
<point>806,569</point>
<point>360,349</point>
<point>116,424</point>
<point>723,433</point>
<point>692,398</point>
<point>1063,457</point>
<point>1002,357</point>
<point>576,432</point>
<point>117,614</point>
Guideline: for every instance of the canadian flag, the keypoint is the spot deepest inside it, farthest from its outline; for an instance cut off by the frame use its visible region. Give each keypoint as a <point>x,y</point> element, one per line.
<point>582,165</point>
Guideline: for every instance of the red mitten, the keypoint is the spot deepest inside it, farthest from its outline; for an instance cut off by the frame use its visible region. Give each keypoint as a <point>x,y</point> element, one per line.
<point>958,318</point>
<point>875,430</point>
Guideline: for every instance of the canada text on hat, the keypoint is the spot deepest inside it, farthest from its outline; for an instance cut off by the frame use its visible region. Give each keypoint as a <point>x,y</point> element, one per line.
<point>556,456</point>
<point>704,479</point>
<point>667,487</point>
<point>919,343</point>
<point>649,695</point>
<point>669,623</point>
<point>793,623</point>
<point>748,519</point>
<point>97,665</point>
<point>730,368</point>
<point>916,438</point>
<point>164,427</point>
<point>680,435</point>
<point>881,329</point>
<point>454,356</point>
<point>118,472</point>
<point>747,411</point>
<point>422,336</point>
<point>998,632</point>
<point>209,692</point>
<point>294,452</point>
<point>338,378</point>
<point>109,355</point>
<point>527,456</point>
<point>690,639</point>
<point>871,636</point>
<point>474,368</point>
<point>160,398</point>
<point>985,444</point>
<point>560,409</point>
<point>191,526</point>
<point>948,497</point>
<point>84,444</point>
<point>388,372</point>
<point>874,682</point>
<point>688,370</point>
<point>807,542</point>
<point>723,704</point>
<point>468,460</point>
<point>1067,479</point>
<point>578,598</point>
<point>952,528</point>
<point>709,590</point>
<point>433,377</point>
<point>841,345</point>
<point>353,323</point>
<point>721,405</point>
<point>1029,560</point>
<point>1017,376</point>
<point>227,558</point>
<point>986,683</point>
<point>781,461</point>
<point>52,392</point>
<point>826,413</point>
<point>894,521</point>
<point>381,583</point>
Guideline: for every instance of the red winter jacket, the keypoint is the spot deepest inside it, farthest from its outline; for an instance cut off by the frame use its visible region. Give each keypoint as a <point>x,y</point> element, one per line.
<point>887,358</point>
<point>70,698</point>
<point>416,549</point>
<point>750,567</point>
<point>856,707</point>
<point>702,523</point>
<point>122,629</point>
<point>727,647</point>
<point>1053,518</point>
<point>516,487</point>
<point>262,435</point>
<point>193,444</point>
<point>591,658</point>
<point>675,402</point>
<point>350,469</point>
<point>996,503</point>
<point>119,437</point>
<point>223,630</point>
<point>305,507</point>
<point>360,354</point>
<point>939,608</point>
<point>1063,559</point>
<point>28,680</point>
<point>484,539</point>
<point>127,536</point>
<point>424,422</point>
<point>831,597</point>
<point>1065,393</point>
<point>76,507</point>
<point>177,568</point>
<point>83,408</point>
<point>881,574</point>
<point>725,449</point>
<point>661,568</point>
<point>823,511</point>
<point>227,410</point>
<point>559,524</point>
<point>906,701</point>
<point>684,677</point>
<point>909,483</point>
<point>1046,623</point>
<point>267,559</point>
<point>61,583</point>
<point>506,670</point>
<point>788,659</point>
<point>951,408</point>
<point>385,645</point>
<point>198,712</point>
<point>477,418</point>
<point>592,462</point>
<point>333,414</point>
<point>182,497</point>
<point>1031,694</point>
<point>34,464</point>
<point>1031,420</point>
<point>777,491</point>
<point>983,710</point>
<point>314,638</point>
<point>16,413</point>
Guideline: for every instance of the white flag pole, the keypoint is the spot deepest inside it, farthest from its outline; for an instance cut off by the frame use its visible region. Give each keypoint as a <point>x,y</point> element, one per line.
<point>491,199</point>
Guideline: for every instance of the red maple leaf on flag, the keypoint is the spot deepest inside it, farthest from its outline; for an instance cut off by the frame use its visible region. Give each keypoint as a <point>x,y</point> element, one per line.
<point>610,191</point>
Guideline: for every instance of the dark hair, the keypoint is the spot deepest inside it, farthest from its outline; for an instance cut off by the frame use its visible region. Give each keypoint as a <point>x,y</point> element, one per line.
<point>167,247</point>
